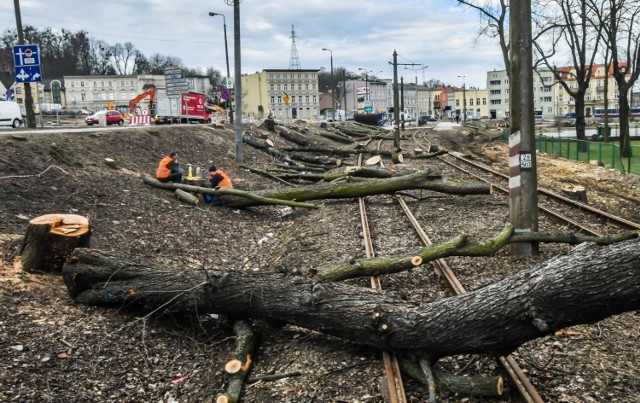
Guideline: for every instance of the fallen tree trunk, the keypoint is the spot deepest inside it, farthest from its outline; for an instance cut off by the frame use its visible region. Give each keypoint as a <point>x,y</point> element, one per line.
<point>585,286</point>
<point>458,246</point>
<point>420,180</point>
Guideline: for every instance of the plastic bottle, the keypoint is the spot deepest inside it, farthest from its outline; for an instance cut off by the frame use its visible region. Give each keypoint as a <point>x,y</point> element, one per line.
<point>190,172</point>
<point>198,172</point>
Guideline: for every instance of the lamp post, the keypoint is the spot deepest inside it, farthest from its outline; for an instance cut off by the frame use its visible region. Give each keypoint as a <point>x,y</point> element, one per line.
<point>366,84</point>
<point>53,98</point>
<point>464,100</point>
<point>333,85</point>
<point>226,53</point>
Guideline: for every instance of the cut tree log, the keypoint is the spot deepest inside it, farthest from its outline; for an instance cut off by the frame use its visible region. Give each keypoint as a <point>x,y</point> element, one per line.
<point>494,319</point>
<point>50,239</point>
<point>458,246</point>
<point>485,386</point>
<point>397,158</point>
<point>419,180</point>
<point>375,160</point>
<point>575,192</point>
<point>239,366</point>
<point>186,197</point>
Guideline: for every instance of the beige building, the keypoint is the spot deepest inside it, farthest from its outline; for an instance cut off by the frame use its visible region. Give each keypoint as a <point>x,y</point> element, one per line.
<point>595,95</point>
<point>477,104</point>
<point>290,94</point>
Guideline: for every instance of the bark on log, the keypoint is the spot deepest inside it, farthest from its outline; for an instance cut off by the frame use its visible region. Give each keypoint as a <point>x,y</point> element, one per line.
<point>254,199</point>
<point>245,347</point>
<point>419,180</point>
<point>574,192</point>
<point>397,158</point>
<point>270,125</point>
<point>296,138</point>
<point>458,246</point>
<point>186,197</point>
<point>587,285</point>
<point>485,386</point>
<point>50,239</point>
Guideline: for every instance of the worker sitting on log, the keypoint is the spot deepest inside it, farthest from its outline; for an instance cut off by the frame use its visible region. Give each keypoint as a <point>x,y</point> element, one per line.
<point>218,180</point>
<point>169,170</point>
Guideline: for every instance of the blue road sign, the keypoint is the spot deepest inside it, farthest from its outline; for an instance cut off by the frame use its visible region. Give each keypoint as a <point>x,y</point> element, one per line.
<point>28,74</point>
<point>26,55</point>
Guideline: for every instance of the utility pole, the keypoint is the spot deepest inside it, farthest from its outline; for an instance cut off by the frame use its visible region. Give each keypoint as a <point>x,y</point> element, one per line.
<point>523,185</point>
<point>226,52</point>
<point>402,99</point>
<point>28,99</point>
<point>238,83</point>
<point>344,92</point>
<point>396,100</point>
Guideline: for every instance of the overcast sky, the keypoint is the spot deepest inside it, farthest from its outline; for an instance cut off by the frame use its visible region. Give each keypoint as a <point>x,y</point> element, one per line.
<point>362,34</point>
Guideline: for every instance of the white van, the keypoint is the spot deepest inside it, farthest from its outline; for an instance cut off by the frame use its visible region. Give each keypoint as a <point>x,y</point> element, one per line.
<point>10,114</point>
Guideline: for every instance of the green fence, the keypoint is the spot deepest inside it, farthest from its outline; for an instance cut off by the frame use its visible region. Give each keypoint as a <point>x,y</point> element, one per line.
<point>600,152</point>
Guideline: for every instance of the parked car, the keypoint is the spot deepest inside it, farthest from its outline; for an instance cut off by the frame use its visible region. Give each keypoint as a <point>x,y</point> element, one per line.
<point>424,119</point>
<point>112,117</point>
<point>10,114</point>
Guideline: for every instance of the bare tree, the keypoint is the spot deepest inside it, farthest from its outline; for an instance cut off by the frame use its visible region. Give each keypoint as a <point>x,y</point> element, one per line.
<point>494,18</point>
<point>620,21</point>
<point>574,29</point>
<point>123,55</point>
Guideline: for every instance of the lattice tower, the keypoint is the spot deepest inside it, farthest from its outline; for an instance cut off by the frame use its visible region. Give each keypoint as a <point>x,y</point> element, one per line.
<point>294,61</point>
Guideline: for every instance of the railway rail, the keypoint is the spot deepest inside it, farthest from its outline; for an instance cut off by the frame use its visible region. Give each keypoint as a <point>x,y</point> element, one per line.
<point>393,377</point>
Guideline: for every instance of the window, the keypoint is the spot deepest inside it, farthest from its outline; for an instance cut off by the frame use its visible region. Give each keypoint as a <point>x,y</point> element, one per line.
<point>471,102</point>
<point>494,82</point>
<point>496,102</point>
<point>82,83</point>
<point>72,84</point>
<point>101,84</point>
<point>278,87</point>
<point>286,87</point>
<point>300,98</point>
<point>306,87</point>
<point>307,98</point>
<point>273,100</point>
<point>495,92</point>
<point>484,101</point>
<point>95,84</point>
<point>315,99</point>
<point>110,84</point>
<point>547,99</point>
<point>271,87</point>
<point>457,102</point>
<point>299,87</point>
<point>279,99</point>
<point>122,83</point>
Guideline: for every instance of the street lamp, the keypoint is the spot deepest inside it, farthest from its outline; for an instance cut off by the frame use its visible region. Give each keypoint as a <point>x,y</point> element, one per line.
<point>333,85</point>
<point>464,100</point>
<point>226,53</point>
<point>366,84</point>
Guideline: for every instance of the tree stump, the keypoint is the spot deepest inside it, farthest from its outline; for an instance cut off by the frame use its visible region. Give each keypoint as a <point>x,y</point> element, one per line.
<point>50,239</point>
<point>270,125</point>
<point>575,192</point>
<point>397,158</point>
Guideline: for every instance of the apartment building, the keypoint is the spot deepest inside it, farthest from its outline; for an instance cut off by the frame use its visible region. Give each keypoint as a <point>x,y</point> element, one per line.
<point>595,95</point>
<point>477,103</point>
<point>290,94</point>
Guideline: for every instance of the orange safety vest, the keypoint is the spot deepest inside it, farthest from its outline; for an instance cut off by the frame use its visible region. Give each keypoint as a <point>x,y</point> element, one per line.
<point>163,171</point>
<point>225,182</point>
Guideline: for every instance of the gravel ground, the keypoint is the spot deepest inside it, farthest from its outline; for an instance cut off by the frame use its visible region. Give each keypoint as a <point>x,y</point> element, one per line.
<point>55,350</point>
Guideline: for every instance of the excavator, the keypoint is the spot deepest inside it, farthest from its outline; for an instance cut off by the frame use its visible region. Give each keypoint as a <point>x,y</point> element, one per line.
<point>151,93</point>
<point>212,108</point>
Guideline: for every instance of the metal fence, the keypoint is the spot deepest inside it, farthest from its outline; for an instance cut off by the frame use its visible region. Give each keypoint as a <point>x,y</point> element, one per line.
<point>596,152</point>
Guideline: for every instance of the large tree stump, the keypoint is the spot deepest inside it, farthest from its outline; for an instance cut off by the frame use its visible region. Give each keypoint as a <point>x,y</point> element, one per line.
<point>50,239</point>
<point>575,192</point>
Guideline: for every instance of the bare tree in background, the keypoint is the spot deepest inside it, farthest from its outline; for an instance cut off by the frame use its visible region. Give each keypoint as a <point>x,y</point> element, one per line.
<point>573,30</point>
<point>494,18</point>
<point>124,56</point>
<point>620,21</point>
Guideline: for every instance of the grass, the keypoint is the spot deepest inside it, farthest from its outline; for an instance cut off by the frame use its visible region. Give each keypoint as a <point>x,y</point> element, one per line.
<point>605,153</point>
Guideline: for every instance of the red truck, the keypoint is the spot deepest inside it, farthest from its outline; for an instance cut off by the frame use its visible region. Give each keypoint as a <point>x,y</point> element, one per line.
<point>188,107</point>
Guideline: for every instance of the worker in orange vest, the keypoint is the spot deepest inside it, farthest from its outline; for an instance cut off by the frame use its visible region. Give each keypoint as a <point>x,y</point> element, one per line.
<point>169,170</point>
<point>218,180</point>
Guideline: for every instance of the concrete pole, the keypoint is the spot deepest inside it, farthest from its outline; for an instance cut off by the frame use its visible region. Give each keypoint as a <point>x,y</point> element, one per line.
<point>28,98</point>
<point>238,82</point>
<point>396,102</point>
<point>523,184</point>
